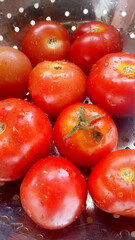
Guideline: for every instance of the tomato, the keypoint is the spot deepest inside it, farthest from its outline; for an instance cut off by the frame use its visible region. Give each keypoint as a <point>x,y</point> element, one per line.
<point>84,133</point>
<point>94,40</point>
<point>112,183</point>
<point>111,84</point>
<point>53,192</point>
<point>25,136</point>
<point>14,71</point>
<point>55,85</point>
<point>46,40</point>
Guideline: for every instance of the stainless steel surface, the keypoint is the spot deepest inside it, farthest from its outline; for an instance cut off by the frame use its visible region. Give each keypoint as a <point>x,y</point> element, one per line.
<point>16,16</point>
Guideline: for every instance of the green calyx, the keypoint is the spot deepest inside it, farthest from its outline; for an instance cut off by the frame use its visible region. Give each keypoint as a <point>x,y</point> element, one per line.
<point>84,123</point>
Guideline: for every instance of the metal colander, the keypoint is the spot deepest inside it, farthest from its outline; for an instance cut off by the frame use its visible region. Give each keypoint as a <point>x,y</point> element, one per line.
<point>16,16</point>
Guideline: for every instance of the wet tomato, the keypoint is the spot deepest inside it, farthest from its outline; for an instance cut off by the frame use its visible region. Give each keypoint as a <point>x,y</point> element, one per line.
<point>55,85</point>
<point>84,133</point>
<point>112,183</point>
<point>92,40</point>
<point>14,71</point>
<point>111,84</point>
<point>46,40</point>
<point>25,136</point>
<point>53,192</point>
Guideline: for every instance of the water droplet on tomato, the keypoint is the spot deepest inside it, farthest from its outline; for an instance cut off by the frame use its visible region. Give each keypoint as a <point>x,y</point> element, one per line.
<point>106,64</point>
<point>120,194</point>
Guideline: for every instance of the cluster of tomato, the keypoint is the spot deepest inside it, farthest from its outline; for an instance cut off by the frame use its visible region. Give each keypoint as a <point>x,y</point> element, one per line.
<point>59,71</point>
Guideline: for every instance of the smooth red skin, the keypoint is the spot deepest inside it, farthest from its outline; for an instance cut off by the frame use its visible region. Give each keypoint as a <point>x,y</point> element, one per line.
<point>53,193</point>
<point>53,90</point>
<point>88,47</point>
<point>86,28</point>
<point>106,185</point>
<point>14,71</point>
<point>28,137</point>
<point>111,89</point>
<point>81,148</point>
<point>35,42</point>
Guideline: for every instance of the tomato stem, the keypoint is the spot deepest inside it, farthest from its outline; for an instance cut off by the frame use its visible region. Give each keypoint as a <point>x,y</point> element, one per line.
<point>2,127</point>
<point>84,123</point>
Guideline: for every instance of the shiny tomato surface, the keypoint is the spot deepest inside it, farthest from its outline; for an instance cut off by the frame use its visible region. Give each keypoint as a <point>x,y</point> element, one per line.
<point>46,40</point>
<point>14,71</point>
<point>112,183</point>
<point>111,84</point>
<point>54,85</point>
<point>25,136</point>
<point>53,192</point>
<point>83,139</point>
<point>93,40</point>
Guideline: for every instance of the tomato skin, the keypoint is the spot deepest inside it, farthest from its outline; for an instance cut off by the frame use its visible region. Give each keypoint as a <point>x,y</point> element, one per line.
<point>14,71</point>
<point>91,45</point>
<point>82,148</point>
<point>108,189</point>
<point>26,138</point>
<point>46,40</point>
<point>55,85</point>
<point>115,88</point>
<point>53,193</point>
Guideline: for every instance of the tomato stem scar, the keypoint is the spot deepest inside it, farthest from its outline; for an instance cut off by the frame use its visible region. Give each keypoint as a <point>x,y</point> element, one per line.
<point>57,67</point>
<point>128,70</point>
<point>2,127</point>
<point>127,174</point>
<point>52,40</point>
<point>85,123</point>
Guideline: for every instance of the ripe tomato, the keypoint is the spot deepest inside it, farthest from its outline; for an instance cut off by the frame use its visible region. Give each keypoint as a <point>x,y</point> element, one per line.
<point>94,40</point>
<point>25,136</point>
<point>112,183</point>
<point>46,40</point>
<point>14,71</point>
<point>111,84</point>
<point>53,192</point>
<point>84,133</point>
<point>55,85</point>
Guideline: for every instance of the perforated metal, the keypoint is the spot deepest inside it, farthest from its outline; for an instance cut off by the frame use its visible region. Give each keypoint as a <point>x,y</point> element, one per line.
<point>16,16</point>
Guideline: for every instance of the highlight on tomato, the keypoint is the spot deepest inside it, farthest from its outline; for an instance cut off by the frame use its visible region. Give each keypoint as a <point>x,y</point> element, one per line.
<point>53,193</point>
<point>85,133</point>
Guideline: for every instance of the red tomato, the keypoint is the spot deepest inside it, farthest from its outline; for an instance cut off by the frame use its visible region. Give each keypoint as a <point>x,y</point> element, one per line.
<point>95,39</point>
<point>55,85</point>
<point>14,71</point>
<point>111,84</point>
<point>53,192</point>
<point>46,40</point>
<point>84,133</point>
<point>112,183</point>
<point>25,136</point>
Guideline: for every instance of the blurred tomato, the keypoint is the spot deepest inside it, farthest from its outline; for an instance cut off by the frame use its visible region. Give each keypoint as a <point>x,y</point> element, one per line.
<point>111,84</point>
<point>92,41</point>
<point>55,85</point>
<point>46,40</point>
<point>84,133</point>
<point>14,71</point>
<point>53,193</point>
<point>25,136</point>
<point>112,183</point>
